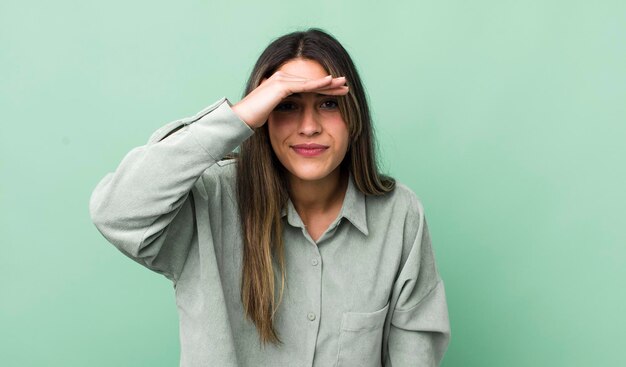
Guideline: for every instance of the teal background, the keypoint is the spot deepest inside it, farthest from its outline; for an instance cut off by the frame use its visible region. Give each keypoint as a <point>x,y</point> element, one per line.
<point>507,118</point>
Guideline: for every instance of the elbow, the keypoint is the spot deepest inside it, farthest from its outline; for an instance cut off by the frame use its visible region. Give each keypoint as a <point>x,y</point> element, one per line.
<point>97,201</point>
<point>101,214</point>
<point>113,227</point>
<point>95,212</point>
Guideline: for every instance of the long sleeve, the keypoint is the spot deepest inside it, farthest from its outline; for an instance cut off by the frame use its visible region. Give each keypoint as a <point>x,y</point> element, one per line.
<point>144,207</point>
<point>419,330</point>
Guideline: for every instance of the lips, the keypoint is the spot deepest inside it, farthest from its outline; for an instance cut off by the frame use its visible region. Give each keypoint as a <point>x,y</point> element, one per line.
<point>309,150</point>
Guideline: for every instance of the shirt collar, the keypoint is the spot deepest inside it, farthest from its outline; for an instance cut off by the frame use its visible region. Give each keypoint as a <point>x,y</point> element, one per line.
<point>353,209</point>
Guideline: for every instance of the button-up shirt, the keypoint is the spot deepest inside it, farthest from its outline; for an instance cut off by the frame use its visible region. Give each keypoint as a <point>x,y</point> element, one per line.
<point>367,293</point>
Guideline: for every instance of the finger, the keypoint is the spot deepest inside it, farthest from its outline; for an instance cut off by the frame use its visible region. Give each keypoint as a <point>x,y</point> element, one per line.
<point>282,73</point>
<point>297,78</point>
<point>325,82</point>
<point>335,84</point>
<point>342,90</point>
<point>310,85</point>
<point>288,78</point>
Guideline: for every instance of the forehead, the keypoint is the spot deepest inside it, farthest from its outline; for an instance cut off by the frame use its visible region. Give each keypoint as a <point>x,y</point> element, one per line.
<point>305,68</point>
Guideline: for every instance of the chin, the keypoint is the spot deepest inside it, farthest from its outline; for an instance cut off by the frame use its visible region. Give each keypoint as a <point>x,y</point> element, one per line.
<point>310,174</point>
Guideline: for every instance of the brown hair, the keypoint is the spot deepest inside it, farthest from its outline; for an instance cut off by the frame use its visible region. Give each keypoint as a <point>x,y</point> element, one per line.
<point>261,181</point>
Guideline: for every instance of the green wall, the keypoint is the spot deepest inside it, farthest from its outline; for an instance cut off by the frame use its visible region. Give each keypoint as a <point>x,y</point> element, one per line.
<point>507,118</point>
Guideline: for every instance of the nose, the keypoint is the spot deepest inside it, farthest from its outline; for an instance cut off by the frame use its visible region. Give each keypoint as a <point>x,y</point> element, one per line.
<point>309,122</point>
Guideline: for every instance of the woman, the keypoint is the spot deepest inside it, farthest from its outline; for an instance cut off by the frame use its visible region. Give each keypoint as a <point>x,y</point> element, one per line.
<point>296,251</point>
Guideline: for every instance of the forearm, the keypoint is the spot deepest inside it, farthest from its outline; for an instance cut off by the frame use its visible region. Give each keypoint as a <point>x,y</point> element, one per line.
<point>139,199</point>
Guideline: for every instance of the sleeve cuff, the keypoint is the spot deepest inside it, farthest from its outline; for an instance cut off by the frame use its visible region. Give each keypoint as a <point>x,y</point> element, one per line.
<point>218,129</point>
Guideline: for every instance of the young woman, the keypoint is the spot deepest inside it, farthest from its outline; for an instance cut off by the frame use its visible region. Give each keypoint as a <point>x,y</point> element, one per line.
<point>296,251</point>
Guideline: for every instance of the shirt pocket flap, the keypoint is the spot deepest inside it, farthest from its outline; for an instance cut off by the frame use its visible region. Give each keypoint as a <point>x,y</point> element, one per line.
<point>357,321</point>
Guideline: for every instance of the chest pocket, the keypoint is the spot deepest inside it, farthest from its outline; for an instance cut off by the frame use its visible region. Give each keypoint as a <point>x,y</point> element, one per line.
<point>360,338</point>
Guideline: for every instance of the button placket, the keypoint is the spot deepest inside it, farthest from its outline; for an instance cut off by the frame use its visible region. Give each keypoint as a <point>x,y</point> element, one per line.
<point>313,291</point>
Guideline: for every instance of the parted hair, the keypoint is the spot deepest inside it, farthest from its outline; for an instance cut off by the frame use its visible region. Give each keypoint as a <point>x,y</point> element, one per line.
<point>262,190</point>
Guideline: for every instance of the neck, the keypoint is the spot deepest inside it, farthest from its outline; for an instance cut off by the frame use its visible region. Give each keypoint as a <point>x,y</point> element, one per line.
<point>320,196</point>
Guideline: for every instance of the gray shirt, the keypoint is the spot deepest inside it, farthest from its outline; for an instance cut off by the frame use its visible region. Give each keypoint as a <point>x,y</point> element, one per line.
<point>366,294</point>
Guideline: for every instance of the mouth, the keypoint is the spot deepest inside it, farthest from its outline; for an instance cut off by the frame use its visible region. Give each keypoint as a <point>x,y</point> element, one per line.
<point>309,150</point>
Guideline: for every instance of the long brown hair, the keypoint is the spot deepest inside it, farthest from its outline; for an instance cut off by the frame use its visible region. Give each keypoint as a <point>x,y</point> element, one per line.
<point>262,190</point>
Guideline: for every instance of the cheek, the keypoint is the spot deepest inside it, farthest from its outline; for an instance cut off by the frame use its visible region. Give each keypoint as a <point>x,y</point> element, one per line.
<point>345,147</point>
<point>341,133</point>
<point>278,127</point>
<point>278,132</point>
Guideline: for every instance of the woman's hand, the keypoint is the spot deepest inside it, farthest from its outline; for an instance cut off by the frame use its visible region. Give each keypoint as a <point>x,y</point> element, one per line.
<point>256,107</point>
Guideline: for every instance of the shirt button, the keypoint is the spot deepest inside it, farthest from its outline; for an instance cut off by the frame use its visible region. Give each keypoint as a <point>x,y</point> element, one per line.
<point>311,316</point>
<point>314,262</point>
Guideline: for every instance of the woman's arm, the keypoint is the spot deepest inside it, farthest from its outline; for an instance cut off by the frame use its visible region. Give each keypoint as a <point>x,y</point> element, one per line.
<point>149,191</point>
<point>419,331</point>
<point>135,206</point>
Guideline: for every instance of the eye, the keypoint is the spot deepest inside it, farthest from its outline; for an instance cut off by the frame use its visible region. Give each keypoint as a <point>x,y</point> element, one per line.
<point>330,104</point>
<point>284,106</point>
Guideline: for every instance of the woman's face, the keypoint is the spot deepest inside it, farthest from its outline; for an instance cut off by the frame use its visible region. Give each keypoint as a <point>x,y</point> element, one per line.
<point>306,130</point>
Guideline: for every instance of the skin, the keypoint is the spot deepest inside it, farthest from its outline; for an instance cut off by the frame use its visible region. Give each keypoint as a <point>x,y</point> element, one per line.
<point>299,104</point>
